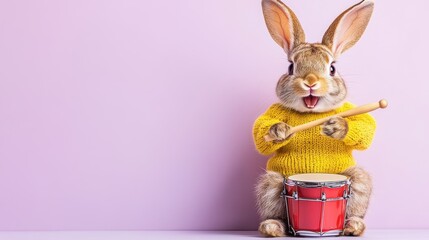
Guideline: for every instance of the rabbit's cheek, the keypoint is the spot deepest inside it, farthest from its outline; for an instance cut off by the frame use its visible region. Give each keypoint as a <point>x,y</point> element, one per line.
<point>324,88</point>
<point>338,87</point>
<point>283,81</point>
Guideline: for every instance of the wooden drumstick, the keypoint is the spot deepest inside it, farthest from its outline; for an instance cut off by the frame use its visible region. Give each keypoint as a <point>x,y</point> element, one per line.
<point>355,111</point>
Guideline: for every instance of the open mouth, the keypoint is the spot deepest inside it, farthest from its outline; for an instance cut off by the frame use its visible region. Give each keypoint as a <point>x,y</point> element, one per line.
<point>311,101</point>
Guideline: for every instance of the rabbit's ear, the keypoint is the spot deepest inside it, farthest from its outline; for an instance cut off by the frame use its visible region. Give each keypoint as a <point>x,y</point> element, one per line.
<point>347,28</point>
<point>282,24</point>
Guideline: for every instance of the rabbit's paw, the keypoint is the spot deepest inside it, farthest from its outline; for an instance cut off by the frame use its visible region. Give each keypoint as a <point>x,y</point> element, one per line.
<point>278,132</point>
<point>336,128</point>
<point>355,226</point>
<point>272,228</point>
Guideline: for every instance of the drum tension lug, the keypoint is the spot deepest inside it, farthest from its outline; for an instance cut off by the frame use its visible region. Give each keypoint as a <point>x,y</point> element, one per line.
<point>295,195</point>
<point>323,198</point>
<point>347,194</point>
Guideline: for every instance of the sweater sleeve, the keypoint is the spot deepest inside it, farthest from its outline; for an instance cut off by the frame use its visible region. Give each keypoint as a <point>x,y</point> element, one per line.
<point>261,127</point>
<point>361,131</point>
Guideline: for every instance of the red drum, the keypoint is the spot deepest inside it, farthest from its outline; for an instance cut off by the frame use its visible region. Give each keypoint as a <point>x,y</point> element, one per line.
<point>316,204</point>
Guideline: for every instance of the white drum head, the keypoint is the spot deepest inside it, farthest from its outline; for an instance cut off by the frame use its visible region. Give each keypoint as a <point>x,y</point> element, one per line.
<point>317,177</point>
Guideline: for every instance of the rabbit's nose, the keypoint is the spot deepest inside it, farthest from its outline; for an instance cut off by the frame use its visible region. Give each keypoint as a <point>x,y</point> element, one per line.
<point>311,81</point>
<point>312,85</point>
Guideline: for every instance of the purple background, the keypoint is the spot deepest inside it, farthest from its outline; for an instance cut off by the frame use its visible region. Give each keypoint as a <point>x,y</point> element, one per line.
<point>138,114</point>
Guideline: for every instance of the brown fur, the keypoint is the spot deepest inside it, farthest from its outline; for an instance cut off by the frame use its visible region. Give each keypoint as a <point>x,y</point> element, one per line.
<point>271,207</point>
<point>336,128</point>
<point>355,226</point>
<point>311,65</point>
<point>278,132</point>
<point>277,11</point>
<point>314,58</point>
<point>268,190</point>
<point>361,185</point>
<point>272,228</point>
<point>363,8</point>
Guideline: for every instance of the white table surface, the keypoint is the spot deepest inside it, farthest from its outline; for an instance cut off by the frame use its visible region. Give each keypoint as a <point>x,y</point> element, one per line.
<point>190,235</point>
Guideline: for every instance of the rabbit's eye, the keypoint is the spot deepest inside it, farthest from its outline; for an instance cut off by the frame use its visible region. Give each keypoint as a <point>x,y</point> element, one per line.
<point>332,70</point>
<point>290,69</point>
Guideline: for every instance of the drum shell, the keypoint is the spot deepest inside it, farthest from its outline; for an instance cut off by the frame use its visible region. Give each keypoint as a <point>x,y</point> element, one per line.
<point>316,207</point>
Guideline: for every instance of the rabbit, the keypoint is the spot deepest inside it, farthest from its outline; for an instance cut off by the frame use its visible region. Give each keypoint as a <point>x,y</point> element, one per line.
<point>312,88</point>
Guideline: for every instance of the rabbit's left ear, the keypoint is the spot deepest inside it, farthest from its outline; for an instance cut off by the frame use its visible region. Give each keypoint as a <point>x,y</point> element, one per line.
<point>347,28</point>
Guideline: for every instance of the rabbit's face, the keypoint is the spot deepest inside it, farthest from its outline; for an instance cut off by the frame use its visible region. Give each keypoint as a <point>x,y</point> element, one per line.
<point>312,83</point>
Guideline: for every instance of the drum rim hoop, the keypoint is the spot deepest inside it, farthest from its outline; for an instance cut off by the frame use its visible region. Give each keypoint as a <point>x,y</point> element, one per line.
<point>315,184</point>
<point>311,184</point>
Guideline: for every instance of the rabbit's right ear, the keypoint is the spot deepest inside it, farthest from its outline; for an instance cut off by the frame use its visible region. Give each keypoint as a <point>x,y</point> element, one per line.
<point>282,24</point>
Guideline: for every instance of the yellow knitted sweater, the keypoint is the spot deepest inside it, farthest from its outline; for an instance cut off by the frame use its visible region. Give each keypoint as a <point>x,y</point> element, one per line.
<point>309,151</point>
